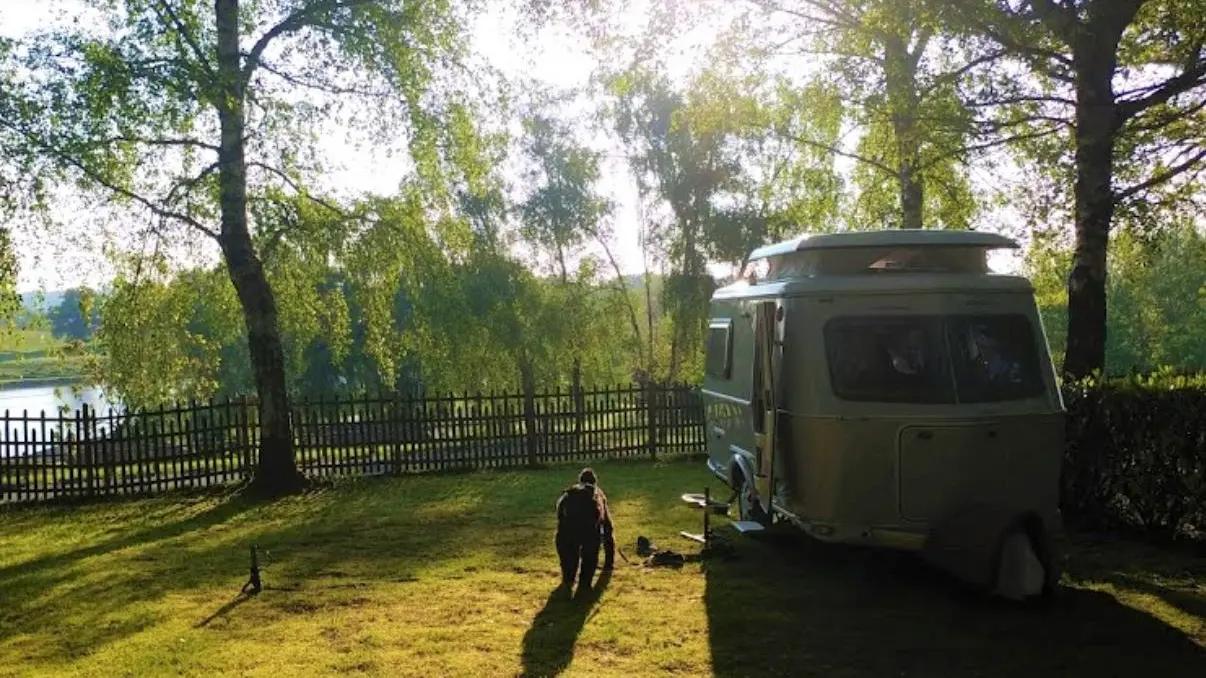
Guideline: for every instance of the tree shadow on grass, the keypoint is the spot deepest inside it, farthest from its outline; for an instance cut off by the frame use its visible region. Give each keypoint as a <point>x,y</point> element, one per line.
<point>321,547</point>
<point>790,606</point>
<point>548,645</point>
<point>224,510</point>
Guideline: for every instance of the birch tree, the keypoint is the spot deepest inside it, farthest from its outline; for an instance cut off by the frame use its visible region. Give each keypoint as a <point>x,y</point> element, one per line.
<point>188,112</point>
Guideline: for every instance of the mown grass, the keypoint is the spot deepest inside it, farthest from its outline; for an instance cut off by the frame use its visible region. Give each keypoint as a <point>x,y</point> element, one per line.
<point>455,575</point>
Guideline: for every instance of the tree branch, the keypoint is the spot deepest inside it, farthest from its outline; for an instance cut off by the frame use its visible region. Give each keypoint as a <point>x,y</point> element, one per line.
<point>1193,75</point>
<point>957,74</point>
<point>961,152</point>
<point>1021,99</point>
<point>1162,177</point>
<point>839,152</point>
<point>319,86</point>
<point>183,188</point>
<point>996,28</point>
<point>296,21</point>
<point>1159,121</point>
<point>298,188</point>
<point>194,143</point>
<point>183,34</point>
<point>105,183</point>
<point>1060,19</point>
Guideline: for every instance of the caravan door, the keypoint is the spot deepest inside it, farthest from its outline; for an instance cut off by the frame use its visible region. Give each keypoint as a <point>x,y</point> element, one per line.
<point>768,392</point>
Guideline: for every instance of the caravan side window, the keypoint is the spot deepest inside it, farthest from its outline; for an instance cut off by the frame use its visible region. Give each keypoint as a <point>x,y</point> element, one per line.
<point>720,349</point>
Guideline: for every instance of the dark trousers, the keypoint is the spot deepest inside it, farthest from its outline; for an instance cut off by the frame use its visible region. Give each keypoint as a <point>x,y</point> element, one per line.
<point>574,549</point>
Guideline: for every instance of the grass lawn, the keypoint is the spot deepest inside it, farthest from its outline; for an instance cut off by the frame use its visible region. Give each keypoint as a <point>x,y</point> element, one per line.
<point>452,575</point>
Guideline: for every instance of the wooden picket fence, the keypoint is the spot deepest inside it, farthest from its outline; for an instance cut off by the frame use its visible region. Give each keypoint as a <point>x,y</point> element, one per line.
<point>89,455</point>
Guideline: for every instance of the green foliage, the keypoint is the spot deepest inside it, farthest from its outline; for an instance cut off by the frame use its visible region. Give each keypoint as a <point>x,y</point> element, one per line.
<point>1135,454</point>
<point>785,185</point>
<point>1156,295</point>
<point>10,301</point>
<point>76,316</point>
<point>682,163</point>
<point>165,339</point>
<point>898,77</point>
<point>404,300</point>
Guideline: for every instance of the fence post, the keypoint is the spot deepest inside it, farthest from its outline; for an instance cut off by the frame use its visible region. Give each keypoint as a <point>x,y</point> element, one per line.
<point>107,449</point>
<point>395,427</point>
<point>529,413</point>
<point>651,408</point>
<point>245,448</point>
<point>84,436</point>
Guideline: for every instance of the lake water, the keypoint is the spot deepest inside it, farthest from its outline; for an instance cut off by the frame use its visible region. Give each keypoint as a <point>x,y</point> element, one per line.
<point>50,399</point>
<point>22,431</point>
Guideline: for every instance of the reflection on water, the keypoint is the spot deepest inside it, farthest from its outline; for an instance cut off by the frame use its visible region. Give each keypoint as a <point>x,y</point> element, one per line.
<point>52,400</point>
<point>35,414</point>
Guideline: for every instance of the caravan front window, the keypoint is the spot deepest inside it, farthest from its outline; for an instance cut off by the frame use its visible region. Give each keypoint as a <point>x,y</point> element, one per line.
<point>888,359</point>
<point>933,359</point>
<point>995,358</point>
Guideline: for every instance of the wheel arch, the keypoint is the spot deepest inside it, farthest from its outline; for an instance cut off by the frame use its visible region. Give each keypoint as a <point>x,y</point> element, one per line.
<point>740,468</point>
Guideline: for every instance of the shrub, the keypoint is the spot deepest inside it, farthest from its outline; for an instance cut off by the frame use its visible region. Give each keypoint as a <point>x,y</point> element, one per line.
<point>1136,454</point>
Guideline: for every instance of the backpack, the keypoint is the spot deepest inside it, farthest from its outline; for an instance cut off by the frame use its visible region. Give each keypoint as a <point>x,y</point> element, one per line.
<point>579,506</point>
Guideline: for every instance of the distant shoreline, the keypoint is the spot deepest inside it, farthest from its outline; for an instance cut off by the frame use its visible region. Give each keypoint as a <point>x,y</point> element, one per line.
<point>40,382</point>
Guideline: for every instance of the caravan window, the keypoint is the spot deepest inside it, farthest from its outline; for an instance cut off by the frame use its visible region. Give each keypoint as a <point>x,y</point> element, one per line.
<point>994,358</point>
<point>934,359</point>
<point>720,349</point>
<point>888,359</point>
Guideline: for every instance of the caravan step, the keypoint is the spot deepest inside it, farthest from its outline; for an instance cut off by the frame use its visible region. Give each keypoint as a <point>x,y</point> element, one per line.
<point>744,526</point>
<point>697,501</point>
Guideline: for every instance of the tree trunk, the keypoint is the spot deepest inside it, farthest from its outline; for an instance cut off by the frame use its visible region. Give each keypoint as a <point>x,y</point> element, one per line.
<point>576,369</point>
<point>651,365</point>
<point>579,397</point>
<point>276,473</point>
<point>911,196</point>
<point>623,286</point>
<point>672,372</point>
<point>1096,128</point>
<point>900,70</point>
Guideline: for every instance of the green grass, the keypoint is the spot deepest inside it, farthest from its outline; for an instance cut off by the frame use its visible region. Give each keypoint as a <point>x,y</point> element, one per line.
<point>453,575</point>
<point>32,355</point>
<point>44,368</point>
<point>20,340</point>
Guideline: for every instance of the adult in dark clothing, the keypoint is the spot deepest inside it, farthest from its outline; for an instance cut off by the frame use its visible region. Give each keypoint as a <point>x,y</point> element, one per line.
<point>583,525</point>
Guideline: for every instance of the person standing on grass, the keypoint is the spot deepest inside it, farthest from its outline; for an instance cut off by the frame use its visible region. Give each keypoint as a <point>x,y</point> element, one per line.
<point>583,525</point>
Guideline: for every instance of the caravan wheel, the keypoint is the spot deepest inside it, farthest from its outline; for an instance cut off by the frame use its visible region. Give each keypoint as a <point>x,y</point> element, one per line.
<point>1023,573</point>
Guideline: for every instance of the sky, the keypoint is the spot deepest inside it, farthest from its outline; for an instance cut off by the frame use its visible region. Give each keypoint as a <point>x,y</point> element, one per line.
<point>557,58</point>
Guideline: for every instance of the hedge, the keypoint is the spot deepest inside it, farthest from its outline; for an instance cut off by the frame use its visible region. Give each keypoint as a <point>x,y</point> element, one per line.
<point>1136,455</point>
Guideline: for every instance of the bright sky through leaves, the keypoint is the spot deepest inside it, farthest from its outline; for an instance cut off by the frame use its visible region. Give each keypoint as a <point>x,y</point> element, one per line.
<point>556,59</point>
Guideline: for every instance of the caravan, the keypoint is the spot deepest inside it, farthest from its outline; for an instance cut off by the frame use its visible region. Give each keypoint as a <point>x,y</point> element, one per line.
<point>887,388</point>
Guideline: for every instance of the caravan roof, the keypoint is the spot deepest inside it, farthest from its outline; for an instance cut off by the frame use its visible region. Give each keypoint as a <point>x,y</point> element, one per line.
<point>916,237</point>
<point>868,252</point>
